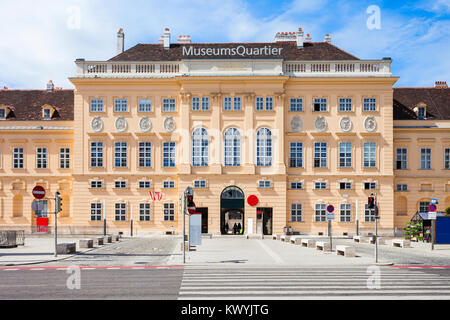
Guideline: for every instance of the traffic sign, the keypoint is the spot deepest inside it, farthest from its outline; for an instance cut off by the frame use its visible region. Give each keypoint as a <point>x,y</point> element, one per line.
<point>192,209</point>
<point>330,208</point>
<point>434,201</point>
<point>432,208</point>
<point>252,200</point>
<point>432,215</point>
<point>38,192</point>
<point>331,216</point>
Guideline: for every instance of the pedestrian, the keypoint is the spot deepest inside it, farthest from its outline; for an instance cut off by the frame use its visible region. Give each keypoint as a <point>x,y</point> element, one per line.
<point>239,227</point>
<point>226,228</point>
<point>235,228</point>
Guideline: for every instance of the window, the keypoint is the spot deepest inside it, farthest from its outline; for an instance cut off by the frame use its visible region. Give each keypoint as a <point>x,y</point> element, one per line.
<point>144,211</point>
<point>96,154</point>
<point>259,103</point>
<point>145,185</point>
<point>195,103</point>
<point>425,158</point>
<point>169,212</point>
<point>232,103</point>
<point>402,159</point>
<point>320,104</point>
<point>169,184</point>
<point>145,105</point>
<point>320,212</point>
<point>402,187</point>
<point>320,154</point>
<point>265,184</point>
<point>200,184</point>
<point>96,211</point>
<point>423,206</point>
<point>18,157</point>
<point>120,184</point>
<point>200,146</point>
<point>232,146</point>
<point>120,105</point>
<point>204,105</point>
<point>169,154</point>
<point>96,184</point>
<point>370,185</point>
<point>296,185</point>
<point>269,103</point>
<point>320,185</point>
<point>447,158</point>
<point>97,105</point>
<point>264,147</point>
<point>237,103</point>
<point>2,114</point>
<point>145,154</point>
<point>296,104</point>
<point>296,212</point>
<point>345,104</point>
<point>120,154</point>
<point>421,113</point>
<point>346,212</point>
<point>120,212</point>
<point>370,154</point>
<point>227,103</point>
<point>369,214</point>
<point>47,114</point>
<point>64,158</point>
<point>296,155</point>
<point>370,104</point>
<point>345,154</point>
<point>41,158</point>
<point>169,105</point>
<point>345,186</point>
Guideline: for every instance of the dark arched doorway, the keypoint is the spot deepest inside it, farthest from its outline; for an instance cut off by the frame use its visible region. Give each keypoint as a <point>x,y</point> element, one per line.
<point>232,202</point>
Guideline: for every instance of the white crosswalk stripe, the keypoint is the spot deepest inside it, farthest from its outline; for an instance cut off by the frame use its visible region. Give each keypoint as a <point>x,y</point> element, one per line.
<point>311,283</point>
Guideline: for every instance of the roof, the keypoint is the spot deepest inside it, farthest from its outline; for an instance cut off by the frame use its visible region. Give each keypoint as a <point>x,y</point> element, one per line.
<point>437,101</point>
<point>26,105</point>
<point>311,51</point>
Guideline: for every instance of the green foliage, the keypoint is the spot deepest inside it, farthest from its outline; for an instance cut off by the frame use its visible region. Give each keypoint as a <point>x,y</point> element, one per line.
<point>447,211</point>
<point>414,231</point>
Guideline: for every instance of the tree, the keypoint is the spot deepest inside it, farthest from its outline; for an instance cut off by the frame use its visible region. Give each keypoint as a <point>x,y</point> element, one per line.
<point>447,211</point>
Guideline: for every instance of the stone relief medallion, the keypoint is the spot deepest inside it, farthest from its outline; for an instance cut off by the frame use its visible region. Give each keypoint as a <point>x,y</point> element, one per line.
<point>296,124</point>
<point>370,124</point>
<point>145,124</point>
<point>97,124</point>
<point>169,124</point>
<point>346,124</point>
<point>321,124</point>
<point>121,124</point>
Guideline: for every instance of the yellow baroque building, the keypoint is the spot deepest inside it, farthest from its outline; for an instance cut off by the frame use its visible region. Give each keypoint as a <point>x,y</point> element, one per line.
<point>267,134</point>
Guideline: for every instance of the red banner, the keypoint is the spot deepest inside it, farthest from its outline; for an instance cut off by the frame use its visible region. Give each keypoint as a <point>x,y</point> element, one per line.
<point>42,225</point>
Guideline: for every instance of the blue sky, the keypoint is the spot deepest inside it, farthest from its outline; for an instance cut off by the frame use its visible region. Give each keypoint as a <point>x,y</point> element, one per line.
<point>42,39</point>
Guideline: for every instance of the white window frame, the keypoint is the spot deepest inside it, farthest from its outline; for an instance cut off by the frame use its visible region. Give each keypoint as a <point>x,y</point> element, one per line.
<point>200,184</point>
<point>426,159</point>
<point>345,154</point>
<point>169,105</point>
<point>169,184</point>
<point>402,156</point>
<point>323,104</point>
<point>320,155</point>
<point>320,185</point>
<point>401,187</point>
<point>145,212</point>
<point>264,144</point>
<point>97,105</point>
<point>296,154</point>
<point>96,154</point>
<point>369,104</point>
<point>64,158</point>
<point>232,147</point>
<point>320,212</point>
<point>120,211</point>
<point>96,184</point>
<point>120,184</point>
<point>369,214</point>
<point>145,184</point>
<point>345,105</point>
<point>345,212</point>
<point>264,184</point>
<point>120,154</point>
<point>18,158</point>
<point>370,154</point>
<point>169,154</point>
<point>169,211</point>
<point>296,104</point>
<point>200,147</point>
<point>41,158</point>
<point>120,105</point>
<point>447,158</point>
<point>96,211</point>
<point>296,185</point>
<point>145,105</point>
<point>296,212</point>
<point>145,154</point>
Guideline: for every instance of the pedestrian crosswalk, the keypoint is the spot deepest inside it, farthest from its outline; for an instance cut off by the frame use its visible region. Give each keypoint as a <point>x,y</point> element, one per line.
<point>312,283</point>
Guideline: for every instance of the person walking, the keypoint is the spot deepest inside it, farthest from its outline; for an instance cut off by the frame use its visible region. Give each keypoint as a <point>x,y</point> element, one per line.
<point>235,228</point>
<point>239,227</point>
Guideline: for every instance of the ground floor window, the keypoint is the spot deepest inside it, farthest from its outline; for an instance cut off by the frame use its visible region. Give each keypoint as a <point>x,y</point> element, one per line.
<point>296,212</point>
<point>369,214</point>
<point>346,212</point>
<point>169,212</point>
<point>320,212</point>
<point>96,211</point>
<point>121,211</point>
<point>144,212</point>
<point>423,206</point>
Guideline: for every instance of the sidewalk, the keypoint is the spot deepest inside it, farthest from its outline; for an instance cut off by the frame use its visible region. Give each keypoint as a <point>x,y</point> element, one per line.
<point>38,250</point>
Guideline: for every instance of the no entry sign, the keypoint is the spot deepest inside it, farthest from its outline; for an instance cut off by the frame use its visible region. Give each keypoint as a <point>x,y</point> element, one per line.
<point>192,209</point>
<point>38,192</point>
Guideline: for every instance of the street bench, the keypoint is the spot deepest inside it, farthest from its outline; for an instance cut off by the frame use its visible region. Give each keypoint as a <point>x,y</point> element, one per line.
<point>345,251</point>
<point>403,243</point>
<point>107,239</point>
<point>285,238</point>
<point>296,240</point>
<point>98,241</point>
<point>379,240</point>
<point>309,243</point>
<point>86,243</point>
<point>66,248</point>
<point>360,239</point>
<point>115,237</point>
<point>255,236</point>
<point>276,237</point>
<point>323,246</point>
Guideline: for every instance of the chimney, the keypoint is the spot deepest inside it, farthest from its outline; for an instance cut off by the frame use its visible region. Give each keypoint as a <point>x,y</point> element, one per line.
<point>308,38</point>
<point>120,41</point>
<point>50,86</point>
<point>327,38</point>
<point>300,38</point>
<point>285,36</point>
<point>184,39</point>
<point>441,84</point>
<point>166,39</point>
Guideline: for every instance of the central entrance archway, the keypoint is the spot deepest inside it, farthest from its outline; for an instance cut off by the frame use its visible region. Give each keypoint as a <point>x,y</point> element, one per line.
<point>232,202</point>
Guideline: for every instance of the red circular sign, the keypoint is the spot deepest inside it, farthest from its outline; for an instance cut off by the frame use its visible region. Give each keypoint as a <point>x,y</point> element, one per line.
<point>38,192</point>
<point>193,209</point>
<point>252,200</point>
<point>432,208</point>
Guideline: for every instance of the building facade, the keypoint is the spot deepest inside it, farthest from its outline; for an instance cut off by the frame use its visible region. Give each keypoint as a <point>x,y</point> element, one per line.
<point>267,134</point>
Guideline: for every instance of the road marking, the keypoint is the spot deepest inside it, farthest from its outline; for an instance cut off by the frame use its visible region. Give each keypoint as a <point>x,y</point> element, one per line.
<point>270,252</point>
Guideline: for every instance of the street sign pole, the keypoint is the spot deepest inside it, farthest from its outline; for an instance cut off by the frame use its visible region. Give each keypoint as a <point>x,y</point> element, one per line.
<point>330,216</point>
<point>376,229</point>
<point>183,199</point>
<point>56,226</point>
<point>432,215</point>
<point>329,233</point>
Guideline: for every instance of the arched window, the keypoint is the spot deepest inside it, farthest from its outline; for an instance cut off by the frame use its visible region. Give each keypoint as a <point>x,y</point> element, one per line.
<point>200,143</point>
<point>232,145</point>
<point>264,147</point>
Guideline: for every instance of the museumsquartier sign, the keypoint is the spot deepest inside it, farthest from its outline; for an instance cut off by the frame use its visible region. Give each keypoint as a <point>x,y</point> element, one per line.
<point>241,51</point>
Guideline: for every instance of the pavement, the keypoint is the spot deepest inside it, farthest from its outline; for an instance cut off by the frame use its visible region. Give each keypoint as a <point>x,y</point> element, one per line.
<point>217,251</point>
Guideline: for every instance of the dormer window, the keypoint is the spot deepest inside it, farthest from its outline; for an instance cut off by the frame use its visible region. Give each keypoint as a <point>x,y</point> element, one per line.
<point>2,114</point>
<point>47,114</point>
<point>421,113</point>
